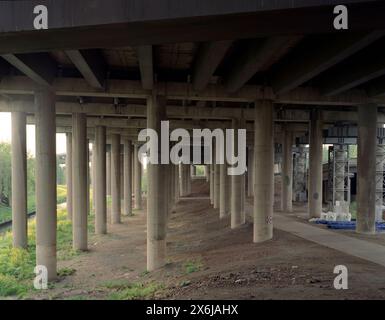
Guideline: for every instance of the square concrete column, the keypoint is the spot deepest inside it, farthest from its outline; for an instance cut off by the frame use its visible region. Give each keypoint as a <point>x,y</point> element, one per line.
<point>19,180</point>
<point>69,174</point>
<point>366,169</point>
<point>115,179</point>
<point>237,184</point>
<point>287,172</point>
<point>100,180</point>
<point>157,207</point>
<point>315,166</point>
<point>127,177</point>
<point>138,179</point>
<point>263,171</point>
<point>45,181</point>
<point>108,169</point>
<point>80,181</point>
<point>250,172</point>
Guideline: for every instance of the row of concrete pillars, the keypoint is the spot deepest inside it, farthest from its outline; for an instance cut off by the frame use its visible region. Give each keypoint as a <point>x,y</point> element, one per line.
<point>167,182</point>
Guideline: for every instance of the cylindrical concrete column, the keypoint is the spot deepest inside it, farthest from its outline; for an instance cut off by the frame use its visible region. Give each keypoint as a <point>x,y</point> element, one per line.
<point>366,169</point>
<point>380,164</point>
<point>237,184</point>
<point>315,166</point>
<point>108,170</point>
<point>250,172</point>
<point>287,173</point>
<point>263,171</point>
<point>138,179</point>
<point>45,181</point>
<point>115,179</point>
<point>80,182</point>
<point>19,180</point>
<point>156,195</point>
<point>216,186</point>
<point>100,180</point>
<point>127,177</point>
<point>93,176</point>
<point>69,174</point>
<point>224,182</point>
<point>212,184</point>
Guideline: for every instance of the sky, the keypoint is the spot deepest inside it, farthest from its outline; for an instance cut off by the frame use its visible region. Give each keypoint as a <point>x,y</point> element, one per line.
<point>5,135</point>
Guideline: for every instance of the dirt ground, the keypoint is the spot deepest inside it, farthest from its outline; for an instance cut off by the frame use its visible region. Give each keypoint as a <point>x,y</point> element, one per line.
<point>208,260</point>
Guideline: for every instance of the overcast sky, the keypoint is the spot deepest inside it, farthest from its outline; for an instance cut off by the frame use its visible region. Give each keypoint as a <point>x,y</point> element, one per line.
<point>5,135</point>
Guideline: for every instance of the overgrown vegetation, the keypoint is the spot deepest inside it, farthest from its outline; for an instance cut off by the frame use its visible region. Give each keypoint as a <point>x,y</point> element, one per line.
<point>17,265</point>
<point>192,266</point>
<point>124,290</point>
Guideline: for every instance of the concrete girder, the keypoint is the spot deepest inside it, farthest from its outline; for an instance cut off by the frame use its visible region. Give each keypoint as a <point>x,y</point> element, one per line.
<point>210,55</point>
<point>76,87</point>
<point>146,68</point>
<point>258,56</point>
<point>91,65</point>
<point>318,57</point>
<point>39,67</point>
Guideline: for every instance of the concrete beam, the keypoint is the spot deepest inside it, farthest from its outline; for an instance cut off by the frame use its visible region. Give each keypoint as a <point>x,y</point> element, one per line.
<point>258,56</point>
<point>210,55</point>
<point>369,65</point>
<point>317,56</point>
<point>76,87</point>
<point>146,66</point>
<point>91,65</point>
<point>39,67</point>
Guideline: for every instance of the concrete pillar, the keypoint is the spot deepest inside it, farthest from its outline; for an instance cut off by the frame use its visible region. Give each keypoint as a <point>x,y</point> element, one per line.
<point>93,178</point>
<point>80,182</point>
<point>287,173</point>
<point>100,184</point>
<point>88,177</point>
<point>157,187</point>
<point>315,166</point>
<point>366,169</point>
<point>176,177</point>
<point>212,176</point>
<point>138,179</point>
<point>263,171</point>
<point>380,163</point>
<point>207,172</point>
<point>127,177</point>
<point>237,185</point>
<point>216,186</point>
<point>115,179</point>
<point>108,170</point>
<point>19,180</point>
<point>122,176</point>
<point>224,190</point>
<point>69,174</point>
<point>250,172</point>
<point>45,181</point>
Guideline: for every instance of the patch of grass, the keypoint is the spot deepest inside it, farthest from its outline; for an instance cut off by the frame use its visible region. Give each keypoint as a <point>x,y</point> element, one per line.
<point>135,291</point>
<point>64,272</point>
<point>144,273</point>
<point>77,297</point>
<point>192,266</point>
<point>17,265</point>
<point>185,283</point>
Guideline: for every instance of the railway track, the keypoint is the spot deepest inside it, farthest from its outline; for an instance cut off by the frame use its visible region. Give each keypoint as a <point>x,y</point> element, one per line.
<point>4,226</point>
